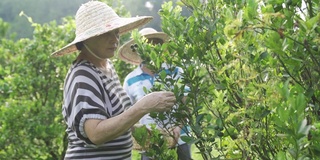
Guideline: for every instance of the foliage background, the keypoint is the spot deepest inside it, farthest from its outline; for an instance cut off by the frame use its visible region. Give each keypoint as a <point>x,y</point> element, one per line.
<point>45,11</point>
<point>252,66</point>
<point>41,12</point>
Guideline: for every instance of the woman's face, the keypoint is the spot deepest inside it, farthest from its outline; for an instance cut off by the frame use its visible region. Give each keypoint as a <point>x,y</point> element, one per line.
<point>104,45</point>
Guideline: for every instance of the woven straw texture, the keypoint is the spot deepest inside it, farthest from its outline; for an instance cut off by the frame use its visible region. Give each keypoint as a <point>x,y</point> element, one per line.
<point>126,54</point>
<point>95,18</point>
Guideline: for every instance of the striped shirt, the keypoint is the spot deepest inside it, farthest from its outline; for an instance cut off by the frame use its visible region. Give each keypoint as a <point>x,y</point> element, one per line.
<point>137,81</point>
<point>89,93</point>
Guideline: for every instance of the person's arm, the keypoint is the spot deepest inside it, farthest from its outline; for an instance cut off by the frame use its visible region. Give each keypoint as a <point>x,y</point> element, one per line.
<point>101,131</point>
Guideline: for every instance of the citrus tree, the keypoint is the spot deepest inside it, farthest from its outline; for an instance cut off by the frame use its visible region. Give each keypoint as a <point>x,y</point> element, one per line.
<point>253,70</point>
<point>252,67</point>
<point>31,123</point>
<point>31,98</point>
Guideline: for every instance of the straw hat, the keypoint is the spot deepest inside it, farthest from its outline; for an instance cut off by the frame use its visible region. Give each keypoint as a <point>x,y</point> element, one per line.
<point>125,52</point>
<point>95,18</point>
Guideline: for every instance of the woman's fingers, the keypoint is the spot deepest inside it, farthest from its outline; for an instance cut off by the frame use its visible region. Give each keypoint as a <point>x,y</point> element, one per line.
<point>162,100</point>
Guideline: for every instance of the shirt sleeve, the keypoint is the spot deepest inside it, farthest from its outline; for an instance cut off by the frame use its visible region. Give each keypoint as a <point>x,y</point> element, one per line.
<point>84,100</point>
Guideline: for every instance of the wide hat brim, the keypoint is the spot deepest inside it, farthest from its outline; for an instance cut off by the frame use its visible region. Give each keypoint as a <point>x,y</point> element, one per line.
<point>123,24</point>
<point>126,54</point>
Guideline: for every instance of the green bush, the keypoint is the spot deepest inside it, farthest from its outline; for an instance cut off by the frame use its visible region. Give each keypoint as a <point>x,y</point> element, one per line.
<point>31,85</point>
<point>252,67</point>
<point>253,70</point>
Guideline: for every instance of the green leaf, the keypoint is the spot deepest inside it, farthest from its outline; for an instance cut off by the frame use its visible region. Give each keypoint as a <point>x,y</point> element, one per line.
<point>140,134</point>
<point>281,155</point>
<point>252,9</point>
<point>313,22</point>
<point>189,140</point>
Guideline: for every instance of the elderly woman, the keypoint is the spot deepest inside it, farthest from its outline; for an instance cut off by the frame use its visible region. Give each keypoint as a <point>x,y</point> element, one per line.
<point>96,109</point>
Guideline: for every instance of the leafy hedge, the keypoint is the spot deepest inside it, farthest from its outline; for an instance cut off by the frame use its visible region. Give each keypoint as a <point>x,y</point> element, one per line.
<point>252,67</point>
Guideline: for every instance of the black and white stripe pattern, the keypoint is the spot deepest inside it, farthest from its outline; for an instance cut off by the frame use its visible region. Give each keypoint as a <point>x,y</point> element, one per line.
<point>89,93</point>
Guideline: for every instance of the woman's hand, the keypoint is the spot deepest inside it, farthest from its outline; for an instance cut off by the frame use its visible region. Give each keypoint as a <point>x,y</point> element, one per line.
<point>157,101</point>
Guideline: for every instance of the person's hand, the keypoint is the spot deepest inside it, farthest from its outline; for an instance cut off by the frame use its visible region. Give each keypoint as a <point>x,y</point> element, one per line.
<point>176,133</point>
<point>184,99</point>
<point>158,101</point>
<point>173,136</point>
